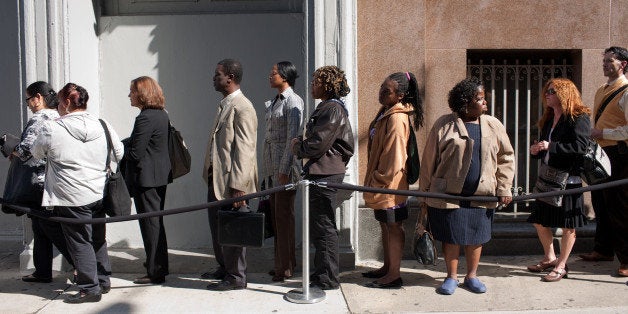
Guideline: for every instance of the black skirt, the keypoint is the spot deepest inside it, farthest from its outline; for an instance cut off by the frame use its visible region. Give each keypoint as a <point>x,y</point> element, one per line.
<point>571,215</point>
<point>461,226</point>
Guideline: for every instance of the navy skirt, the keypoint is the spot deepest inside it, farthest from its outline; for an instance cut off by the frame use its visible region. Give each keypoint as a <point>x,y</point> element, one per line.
<point>461,226</point>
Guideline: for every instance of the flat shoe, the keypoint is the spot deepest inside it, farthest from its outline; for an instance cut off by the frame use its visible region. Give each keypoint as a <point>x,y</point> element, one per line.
<point>556,274</point>
<point>395,284</point>
<point>541,266</point>
<point>474,285</point>
<point>596,257</point>
<point>372,274</point>
<point>32,278</point>
<point>448,287</point>
<point>623,270</point>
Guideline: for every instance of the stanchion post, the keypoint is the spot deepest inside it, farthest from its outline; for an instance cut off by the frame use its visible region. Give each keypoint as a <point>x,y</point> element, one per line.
<point>307,294</point>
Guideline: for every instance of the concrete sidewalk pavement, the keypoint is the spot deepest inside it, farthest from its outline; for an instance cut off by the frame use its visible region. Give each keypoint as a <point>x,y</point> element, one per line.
<point>590,288</point>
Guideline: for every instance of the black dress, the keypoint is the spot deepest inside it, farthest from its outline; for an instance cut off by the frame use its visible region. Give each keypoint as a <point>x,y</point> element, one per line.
<point>568,143</point>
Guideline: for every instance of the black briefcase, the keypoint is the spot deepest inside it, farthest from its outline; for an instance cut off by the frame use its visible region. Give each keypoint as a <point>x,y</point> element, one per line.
<point>237,228</point>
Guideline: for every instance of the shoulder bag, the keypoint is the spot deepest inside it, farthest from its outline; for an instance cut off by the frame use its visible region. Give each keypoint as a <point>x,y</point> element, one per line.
<point>423,245</point>
<point>180,159</point>
<point>596,166</point>
<point>551,179</point>
<point>116,198</point>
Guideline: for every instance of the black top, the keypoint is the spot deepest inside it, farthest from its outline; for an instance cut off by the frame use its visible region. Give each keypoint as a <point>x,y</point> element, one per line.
<point>570,139</point>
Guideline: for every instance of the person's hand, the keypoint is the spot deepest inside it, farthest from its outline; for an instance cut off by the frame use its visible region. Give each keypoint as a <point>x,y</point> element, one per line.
<point>283,179</point>
<point>237,193</point>
<point>293,142</point>
<point>595,133</point>
<point>534,148</point>
<point>505,200</point>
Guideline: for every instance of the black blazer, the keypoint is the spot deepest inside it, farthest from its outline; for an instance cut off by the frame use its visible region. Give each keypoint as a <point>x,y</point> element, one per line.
<point>147,162</point>
<point>570,140</point>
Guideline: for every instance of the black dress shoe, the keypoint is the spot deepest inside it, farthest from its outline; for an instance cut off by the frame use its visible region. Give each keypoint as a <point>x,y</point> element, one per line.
<point>395,284</point>
<point>83,297</point>
<point>216,274</point>
<point>105,289</point>
<point>32,278</point>
<point>225,285</point>
<point>149,280</point>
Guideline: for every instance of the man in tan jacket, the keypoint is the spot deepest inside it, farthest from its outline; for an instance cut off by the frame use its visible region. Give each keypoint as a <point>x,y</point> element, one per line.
<point>230,168</point>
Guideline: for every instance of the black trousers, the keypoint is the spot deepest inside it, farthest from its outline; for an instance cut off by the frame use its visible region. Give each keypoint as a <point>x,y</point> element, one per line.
<point>616,204</point>
<point>323,231</point>
<point>232,259</point>
<point>87,246</point>
<point>45,234</point>
<point>149,200</point>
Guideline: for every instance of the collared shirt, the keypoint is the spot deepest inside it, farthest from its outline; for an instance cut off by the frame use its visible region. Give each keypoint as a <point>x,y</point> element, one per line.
<point>284,121</point>
<point>620,133</point>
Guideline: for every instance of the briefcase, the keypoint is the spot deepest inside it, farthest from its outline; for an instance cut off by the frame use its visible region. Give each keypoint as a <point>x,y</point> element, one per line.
<point>236,228</point>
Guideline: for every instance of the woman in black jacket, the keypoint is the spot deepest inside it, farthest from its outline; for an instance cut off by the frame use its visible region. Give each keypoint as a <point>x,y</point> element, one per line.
<point>147,172</point>
<point>565,128</point>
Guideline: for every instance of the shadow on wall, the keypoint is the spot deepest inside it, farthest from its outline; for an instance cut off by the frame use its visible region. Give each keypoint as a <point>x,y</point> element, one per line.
<point>181,52</point>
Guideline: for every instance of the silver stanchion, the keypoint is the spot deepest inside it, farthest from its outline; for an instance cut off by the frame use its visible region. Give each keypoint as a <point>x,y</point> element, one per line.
<point>307,294</point>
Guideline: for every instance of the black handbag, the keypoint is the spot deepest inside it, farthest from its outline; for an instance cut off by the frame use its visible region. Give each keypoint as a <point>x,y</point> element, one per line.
<point>240,228</point>
<point>180,159</point>
<point>596,166</point>
<point>423,245</point>
<point>551,179</point>
<point>116,198</point>
<point>20,187</point>
<point>413,164</point>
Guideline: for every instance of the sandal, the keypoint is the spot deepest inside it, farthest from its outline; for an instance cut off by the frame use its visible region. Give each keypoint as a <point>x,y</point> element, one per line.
<point>556,274</point>
<point>542,266</point>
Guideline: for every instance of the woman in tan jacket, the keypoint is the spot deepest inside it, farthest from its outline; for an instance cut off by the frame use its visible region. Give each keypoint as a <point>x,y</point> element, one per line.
<point>387,153</point>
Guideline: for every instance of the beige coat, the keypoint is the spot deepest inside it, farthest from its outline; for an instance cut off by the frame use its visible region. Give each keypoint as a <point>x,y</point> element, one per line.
<point>447,158</point>
<point>387,155</point>
<point>233,156</point>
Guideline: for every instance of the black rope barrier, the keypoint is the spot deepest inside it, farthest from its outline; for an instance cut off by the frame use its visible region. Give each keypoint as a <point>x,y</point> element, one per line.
<point>172,211</point>
<point>342,186</point>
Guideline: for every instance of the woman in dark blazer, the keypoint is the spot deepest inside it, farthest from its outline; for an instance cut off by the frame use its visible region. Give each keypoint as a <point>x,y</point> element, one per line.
<point>147,172</point>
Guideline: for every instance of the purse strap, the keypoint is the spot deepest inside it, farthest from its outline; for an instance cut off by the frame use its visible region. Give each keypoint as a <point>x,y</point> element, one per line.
<point>109,145</point>
<point>607,101</point>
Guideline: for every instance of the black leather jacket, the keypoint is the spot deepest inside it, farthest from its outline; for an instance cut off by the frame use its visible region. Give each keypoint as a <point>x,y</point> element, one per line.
<point>328,140</point>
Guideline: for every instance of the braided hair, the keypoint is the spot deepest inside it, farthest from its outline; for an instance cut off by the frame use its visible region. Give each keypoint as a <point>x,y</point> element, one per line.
<point>333,80</point>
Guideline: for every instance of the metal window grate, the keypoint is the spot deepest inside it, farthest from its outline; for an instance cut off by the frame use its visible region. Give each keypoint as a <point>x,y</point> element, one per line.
<point>513,91</point>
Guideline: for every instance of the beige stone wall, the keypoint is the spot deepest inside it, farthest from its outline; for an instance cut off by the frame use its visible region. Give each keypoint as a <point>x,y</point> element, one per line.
<point>431,37</point>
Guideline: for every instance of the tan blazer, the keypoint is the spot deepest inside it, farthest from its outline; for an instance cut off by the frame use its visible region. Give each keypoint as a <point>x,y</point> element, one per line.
<point>233,154</point>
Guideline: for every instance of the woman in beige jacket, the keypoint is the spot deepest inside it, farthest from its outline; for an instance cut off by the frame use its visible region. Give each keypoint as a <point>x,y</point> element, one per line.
<point>387,152</point>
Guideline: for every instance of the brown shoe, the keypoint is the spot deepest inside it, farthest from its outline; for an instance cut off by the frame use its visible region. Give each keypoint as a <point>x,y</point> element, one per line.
<point>541,266</point>
<point>623,270</point>
<point>596,257</point>
<point>556,274</point>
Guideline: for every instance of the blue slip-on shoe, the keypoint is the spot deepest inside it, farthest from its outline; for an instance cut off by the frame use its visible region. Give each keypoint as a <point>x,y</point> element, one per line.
<point>448,287</point>
<point>474,285</point>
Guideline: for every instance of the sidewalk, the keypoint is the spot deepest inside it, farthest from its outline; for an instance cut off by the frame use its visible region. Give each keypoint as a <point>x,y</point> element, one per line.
<point>589,289</point>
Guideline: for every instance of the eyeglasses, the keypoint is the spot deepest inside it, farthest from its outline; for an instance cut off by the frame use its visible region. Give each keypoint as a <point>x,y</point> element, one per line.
<point>29,98</point>
<point>550,91</point>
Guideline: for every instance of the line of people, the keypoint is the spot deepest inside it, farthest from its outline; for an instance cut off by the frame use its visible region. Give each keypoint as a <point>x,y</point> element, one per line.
<point>467,153</point>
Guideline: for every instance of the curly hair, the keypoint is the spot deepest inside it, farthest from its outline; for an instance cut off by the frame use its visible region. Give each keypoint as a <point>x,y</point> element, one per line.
<point>408,86</point>
<point>569,97</point>
<point>463,93</point>
<point>333,80</point>
<point>149,93</point>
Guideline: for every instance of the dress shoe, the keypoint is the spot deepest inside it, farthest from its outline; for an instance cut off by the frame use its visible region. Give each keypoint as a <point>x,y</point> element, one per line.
<point>105,289</point>
<point>541,266</point>
<point>219,274</point>
<point>556,274</point>
<point>279,278</point>
<point>623,270</point>
<point>395,284</point>
<point>225,285</point>
<point>149,280</point>
<point>83,297</point>
<point>373,274</point>
<point>32,278</point>
<point>596,257</point>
